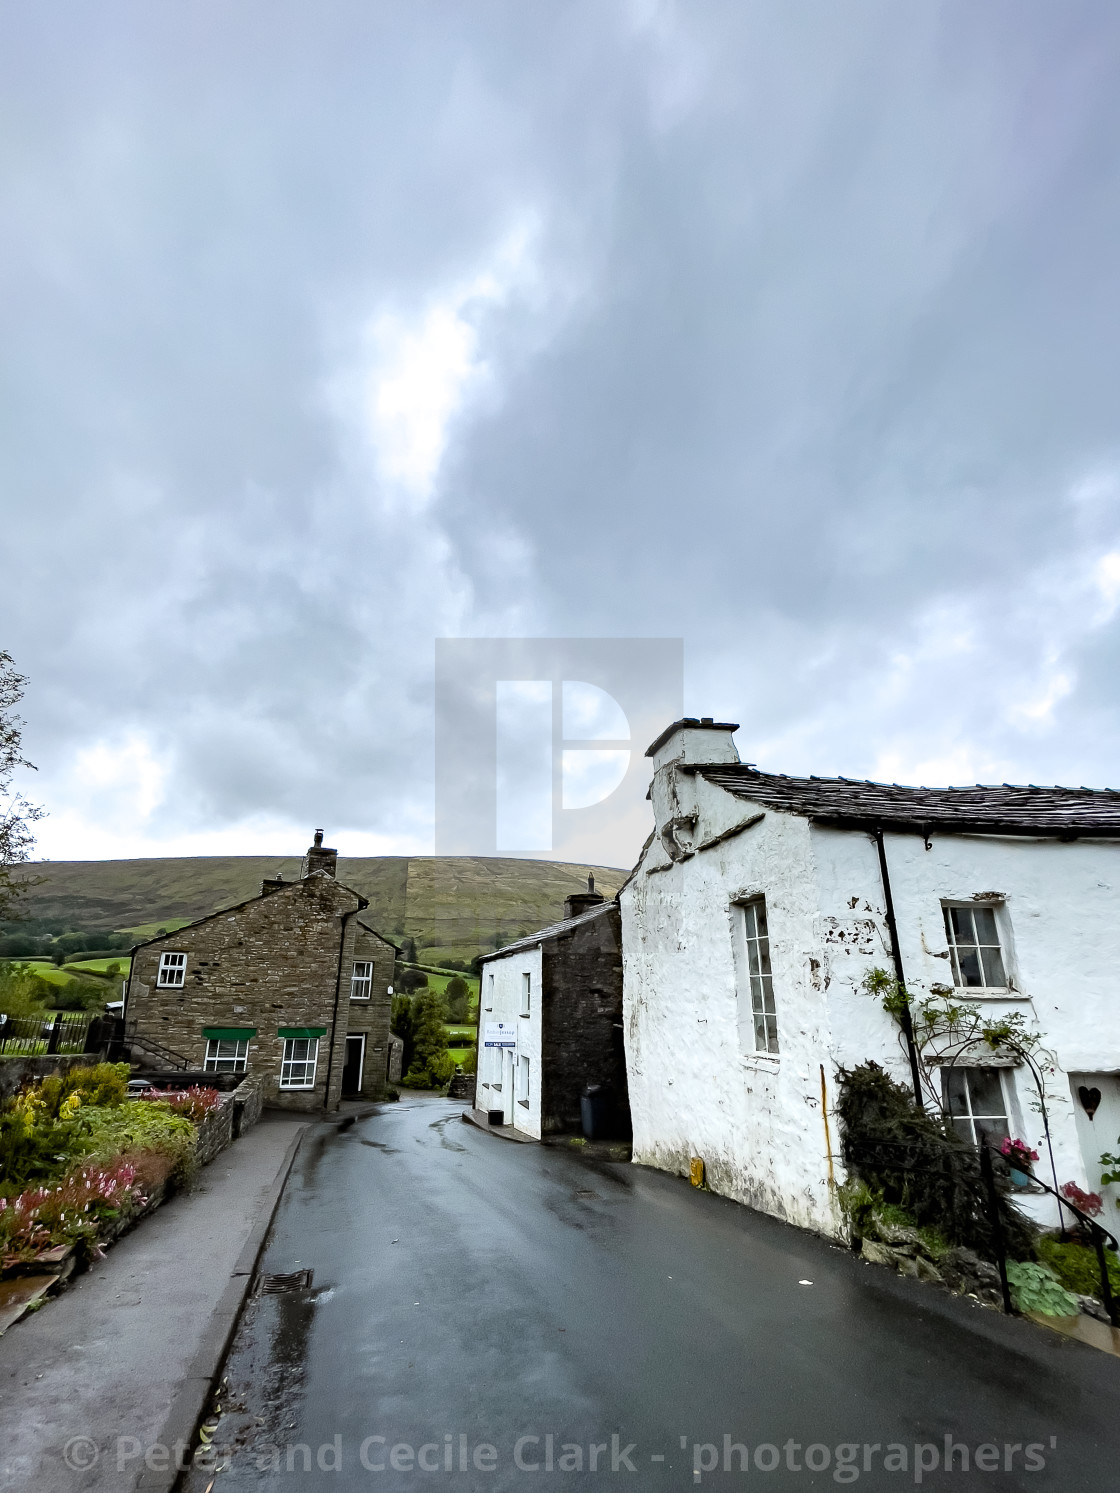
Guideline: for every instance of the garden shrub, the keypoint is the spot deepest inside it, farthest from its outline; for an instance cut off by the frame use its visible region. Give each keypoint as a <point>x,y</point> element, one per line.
<point>1035,1289</point>
<point>34,1144</point>
<point>907,1156</point>
<point>1076,1266</point>
<point>104,1084</point>
<point>139,1126</point>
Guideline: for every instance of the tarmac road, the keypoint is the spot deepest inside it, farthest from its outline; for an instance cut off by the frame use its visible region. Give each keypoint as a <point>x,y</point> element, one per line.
<point>469,1293</point>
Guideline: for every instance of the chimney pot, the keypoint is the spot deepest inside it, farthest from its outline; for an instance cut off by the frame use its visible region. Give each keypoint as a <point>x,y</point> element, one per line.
<point>320,857</point>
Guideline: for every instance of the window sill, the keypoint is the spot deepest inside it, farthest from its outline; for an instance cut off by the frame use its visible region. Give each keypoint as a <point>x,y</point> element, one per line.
<point>987,993</point>
<point>524,1103</point>
<point>359,997</point>
<point>761,1062</point>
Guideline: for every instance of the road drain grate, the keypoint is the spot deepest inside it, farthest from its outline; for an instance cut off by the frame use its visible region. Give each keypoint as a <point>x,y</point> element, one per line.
<point>584,1192</point>
<point>278,1285</point>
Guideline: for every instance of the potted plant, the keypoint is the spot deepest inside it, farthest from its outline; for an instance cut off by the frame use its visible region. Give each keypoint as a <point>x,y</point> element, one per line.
<point>1018,1156</point>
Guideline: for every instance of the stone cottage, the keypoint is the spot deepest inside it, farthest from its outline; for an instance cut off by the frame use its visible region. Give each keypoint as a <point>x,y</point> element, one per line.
<point>550,1022</point>
<point>293,985</point>
<point>761,902</point>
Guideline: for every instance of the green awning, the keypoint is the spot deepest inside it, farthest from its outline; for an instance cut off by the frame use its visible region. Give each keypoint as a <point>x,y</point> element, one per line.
<point>306,1033</point>
<point>228,1033</point>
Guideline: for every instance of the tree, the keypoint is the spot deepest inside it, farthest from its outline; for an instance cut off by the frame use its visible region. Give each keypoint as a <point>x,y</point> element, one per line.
<point>16,814</point>
<point>401,1026</point>
<point>430,1067</point>
<point>457,995</point>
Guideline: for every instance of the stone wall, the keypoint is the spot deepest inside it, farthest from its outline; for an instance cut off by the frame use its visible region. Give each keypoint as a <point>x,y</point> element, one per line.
<point>370,1018</point>
<point>582,1039</point>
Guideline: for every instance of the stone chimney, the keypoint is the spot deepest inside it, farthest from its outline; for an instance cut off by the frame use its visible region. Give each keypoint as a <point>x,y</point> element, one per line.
<point>320,857</point>
<point>692,740</point>
<point>272,883</point>
<point>579,902</point>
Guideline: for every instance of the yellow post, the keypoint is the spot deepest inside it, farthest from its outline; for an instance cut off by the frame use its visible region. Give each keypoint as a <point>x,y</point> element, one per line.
<point>696,1172</point>
<point>827,1132</point>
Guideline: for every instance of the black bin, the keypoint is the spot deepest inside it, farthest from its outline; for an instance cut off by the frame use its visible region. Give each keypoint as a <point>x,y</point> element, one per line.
<point>495,1116</point>
<point>596,1111</point>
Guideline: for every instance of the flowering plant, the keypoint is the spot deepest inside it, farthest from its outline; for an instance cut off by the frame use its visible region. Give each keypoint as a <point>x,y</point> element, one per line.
<point>75,1210</point>
<point>1088,1202</point>
<point>193,1104</point>
<point>1018,1154</point>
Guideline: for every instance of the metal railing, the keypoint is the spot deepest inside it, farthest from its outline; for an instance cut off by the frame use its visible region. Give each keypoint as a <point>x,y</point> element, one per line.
<point>167,1055</point>
<point>44,1036</point>
<point>982,1159</point>
<point>1100,1236</point>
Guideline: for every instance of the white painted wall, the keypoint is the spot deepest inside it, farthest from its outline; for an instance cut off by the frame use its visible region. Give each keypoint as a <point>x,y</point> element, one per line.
<point>757,1121</point>
<point>696,1088</point>
<point>1058,912</point>
<point>501,991</point>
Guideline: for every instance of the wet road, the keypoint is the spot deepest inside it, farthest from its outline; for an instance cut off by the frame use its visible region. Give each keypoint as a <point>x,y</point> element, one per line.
<point>470,1292</point>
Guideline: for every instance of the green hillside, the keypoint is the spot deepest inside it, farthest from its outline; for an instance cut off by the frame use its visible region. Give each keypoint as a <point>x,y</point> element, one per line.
<point>453,906</point>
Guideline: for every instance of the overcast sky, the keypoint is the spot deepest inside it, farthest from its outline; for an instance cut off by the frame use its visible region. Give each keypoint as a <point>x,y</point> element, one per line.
<point>792,330</point>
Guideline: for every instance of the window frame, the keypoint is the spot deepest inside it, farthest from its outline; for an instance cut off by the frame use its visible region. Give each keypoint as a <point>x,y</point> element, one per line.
<point>526,992</point>
<point>289,1064</point>
<point>522,1085</point>
<point>949,907</point>
<point>758,1010</point>
<point>357,980</point>
<point>165,968</point>
<point>970,1117</point>
<point>216,1063</point>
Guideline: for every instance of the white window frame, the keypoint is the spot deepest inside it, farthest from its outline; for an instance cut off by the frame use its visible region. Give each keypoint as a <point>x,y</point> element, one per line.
<point>526,993</point>
<point>975,946</point>
<point>490,989</point>
<point>361,985</point>
<point>523,1080</point>
<point>172,970</point>
<point>757,976</point>
<point>970,1116</point>
<point>298,1072</point>
<point>216,1061</point>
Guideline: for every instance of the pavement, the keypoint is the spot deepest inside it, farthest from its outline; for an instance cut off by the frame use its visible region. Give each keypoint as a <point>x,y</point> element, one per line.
<point>522,1316</point>
<point>129,1349</point>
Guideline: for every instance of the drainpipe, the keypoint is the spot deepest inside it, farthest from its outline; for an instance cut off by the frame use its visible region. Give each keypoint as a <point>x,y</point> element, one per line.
<point>896,956</point>
<point>346,916</point>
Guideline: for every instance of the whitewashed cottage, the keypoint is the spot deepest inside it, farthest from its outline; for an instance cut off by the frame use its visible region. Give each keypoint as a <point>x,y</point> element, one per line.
<point>551,1021</point>
<point>761,902</point>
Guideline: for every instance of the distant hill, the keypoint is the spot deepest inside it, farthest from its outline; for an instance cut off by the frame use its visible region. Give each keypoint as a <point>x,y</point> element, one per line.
<point>453,906</point>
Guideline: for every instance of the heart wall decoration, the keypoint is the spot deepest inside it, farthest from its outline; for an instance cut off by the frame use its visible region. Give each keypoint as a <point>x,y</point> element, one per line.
<point>1090,1100</point>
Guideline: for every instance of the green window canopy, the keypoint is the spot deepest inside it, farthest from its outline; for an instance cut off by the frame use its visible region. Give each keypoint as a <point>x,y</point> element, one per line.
<point>228,1033</point>
<point>304,1033</point>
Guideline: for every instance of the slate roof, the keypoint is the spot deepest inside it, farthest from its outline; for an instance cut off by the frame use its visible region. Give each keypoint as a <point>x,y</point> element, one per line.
<point>552,931</point>
<point>1001,808</point>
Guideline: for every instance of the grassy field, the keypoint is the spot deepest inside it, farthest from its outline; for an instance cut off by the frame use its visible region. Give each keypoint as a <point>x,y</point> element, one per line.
<point>149,930</point>
<point>439,983</point>
<point>46,970</point>
<point>101,966</point>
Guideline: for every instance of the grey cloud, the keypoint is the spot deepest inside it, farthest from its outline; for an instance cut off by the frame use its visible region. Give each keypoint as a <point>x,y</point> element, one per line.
<point>818,331</point>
